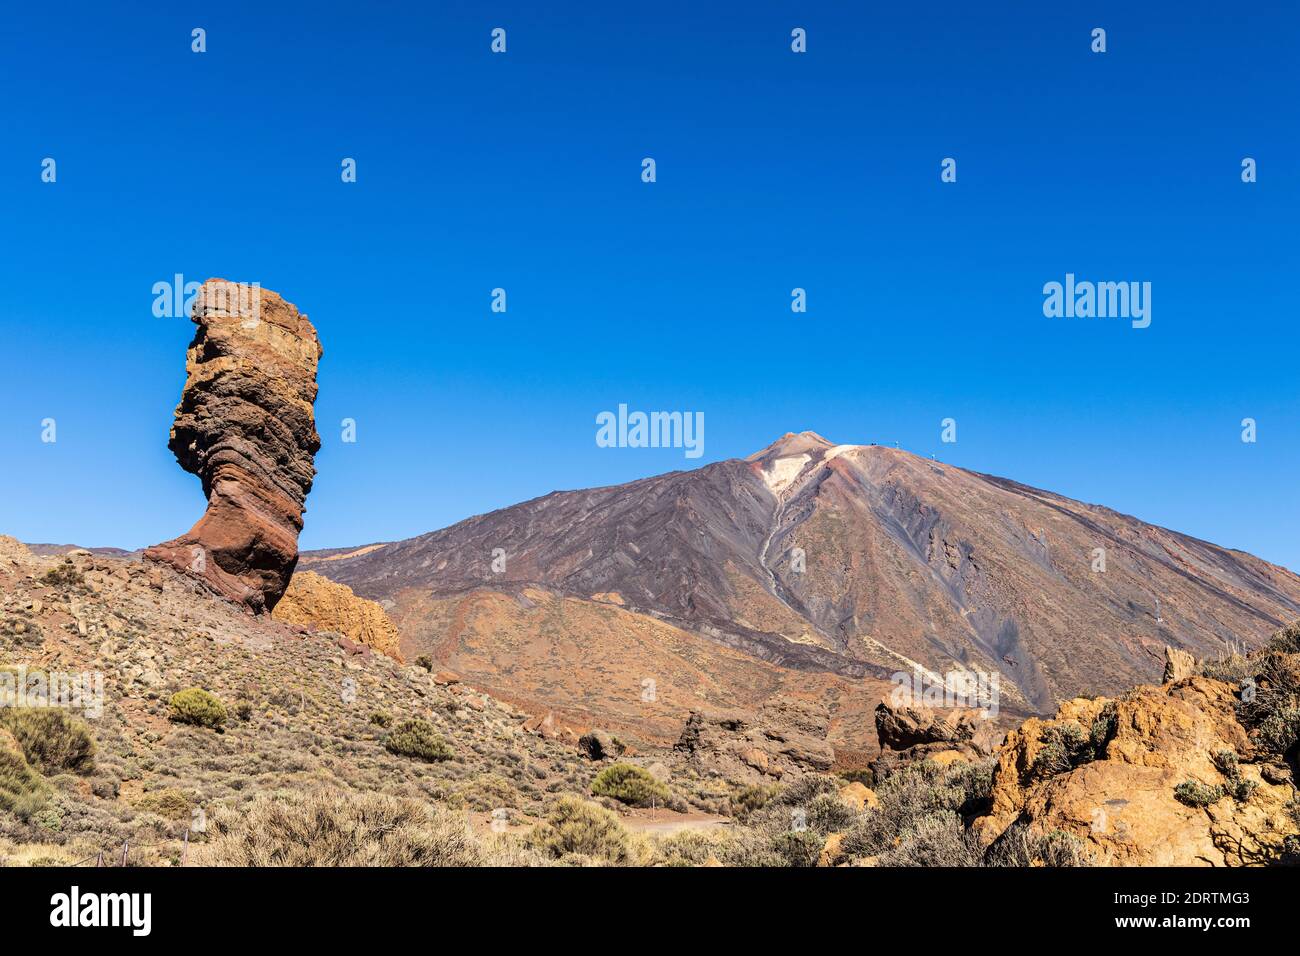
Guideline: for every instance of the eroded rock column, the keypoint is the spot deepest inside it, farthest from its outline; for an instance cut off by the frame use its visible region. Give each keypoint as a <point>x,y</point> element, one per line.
<point>246,426</point>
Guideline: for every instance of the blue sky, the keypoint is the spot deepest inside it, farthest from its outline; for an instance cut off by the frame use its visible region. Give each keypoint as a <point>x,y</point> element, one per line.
<point>775,171</point>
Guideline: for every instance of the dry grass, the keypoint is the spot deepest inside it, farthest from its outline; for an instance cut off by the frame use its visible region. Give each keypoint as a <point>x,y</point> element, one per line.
<point>336,828</point>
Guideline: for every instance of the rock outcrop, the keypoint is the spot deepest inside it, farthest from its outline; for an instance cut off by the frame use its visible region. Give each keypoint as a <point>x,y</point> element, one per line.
<point>1179,665</point>
<point>245,425</point>
<point>1164,776</point>
<point>787,737</point>
<point>911,732</point>
<point>598,744</point>
<point>318,602</point>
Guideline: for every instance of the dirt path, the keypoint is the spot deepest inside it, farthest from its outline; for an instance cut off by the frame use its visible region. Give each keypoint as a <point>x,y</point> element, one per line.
<point>666,822</point>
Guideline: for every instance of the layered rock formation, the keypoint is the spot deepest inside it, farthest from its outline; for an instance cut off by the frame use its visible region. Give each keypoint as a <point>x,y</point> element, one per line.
<point>317,602</point>
<point>1192,773</point>
<point>245,425</point>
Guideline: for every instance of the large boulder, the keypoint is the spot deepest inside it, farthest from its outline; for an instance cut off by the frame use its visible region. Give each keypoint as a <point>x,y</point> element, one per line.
<point>1179,665</point>
<point>910,732</point>
<point>246,426</point>
<point>788,736</point>
<point>600,745</point>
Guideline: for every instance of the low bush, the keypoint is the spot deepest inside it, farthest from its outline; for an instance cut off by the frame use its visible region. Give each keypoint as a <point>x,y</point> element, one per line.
<point>417,738</point>
<point>63,575</point>
<point>1269,702</point>
<point>807,788</point>
<point>1195,794</point>
<point>1066,745</point>
<point>750,798</point>
<point>23,791</point>
<point>630,784</point>
<point>338,828</point>
<point>862,775</point>
<point>925,798</point>
<point>1287,640</point>
<point>827,814</point>
<point>1020,846</point>
<point>582,828</point>
<point>51,739</point>
<point>196,706</point>
<point>936,840</point>
<point>169,803</point>
<point>797,848</point>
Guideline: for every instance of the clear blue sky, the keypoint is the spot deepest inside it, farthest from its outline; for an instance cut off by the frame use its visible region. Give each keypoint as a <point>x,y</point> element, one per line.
<point>775,170</point>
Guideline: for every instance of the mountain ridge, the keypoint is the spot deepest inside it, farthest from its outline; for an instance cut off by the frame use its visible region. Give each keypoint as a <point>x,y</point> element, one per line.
<point>856,560</point>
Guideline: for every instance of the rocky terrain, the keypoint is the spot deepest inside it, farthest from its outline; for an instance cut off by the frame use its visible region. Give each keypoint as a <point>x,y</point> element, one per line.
<point>316,730</point>
<point>841,565</point>
<point>305,711</point>
<point>245,425</point>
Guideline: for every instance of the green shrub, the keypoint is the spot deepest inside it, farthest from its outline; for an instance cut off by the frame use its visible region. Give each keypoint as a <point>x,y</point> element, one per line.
<point>801,848</point>
<point>1278,732</point>
<point>906,797</point>
<point>692,848</point>
<point>63,575</point>
<point>51,739</point>
<point>804,790</point>
<point>196,706</point>
<point>1227,762</point>
<point>1066,746</point>
<point>1240,789</point>
<point>1103,731</point>
<point>828,814</point>
<point>576,826</point>
<point>168,802</point>
<point>750,798</point>
<point>22,790</point>
<point>380,719</point>
<point>490,791</point>
<point>631,785</point>
<point>975,780</point>
<point>1287,640</point>
<point>1195,794</point>
<point>1231,668</point>
<point>417,738</point>
<point>1269,705</point>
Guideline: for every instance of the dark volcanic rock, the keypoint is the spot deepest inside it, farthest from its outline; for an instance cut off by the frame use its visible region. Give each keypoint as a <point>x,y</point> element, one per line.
<point>599,745</point>
<point>245,425</point>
